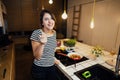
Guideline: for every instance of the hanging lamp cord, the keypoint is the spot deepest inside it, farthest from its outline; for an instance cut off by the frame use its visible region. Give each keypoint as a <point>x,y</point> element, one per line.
<point>93,9</point>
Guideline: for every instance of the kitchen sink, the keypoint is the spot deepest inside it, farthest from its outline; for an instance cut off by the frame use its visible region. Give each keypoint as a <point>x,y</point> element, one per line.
<point>97,72</point>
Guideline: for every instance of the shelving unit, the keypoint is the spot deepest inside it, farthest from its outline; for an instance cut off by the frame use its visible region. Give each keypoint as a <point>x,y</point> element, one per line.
<point>76,21</point>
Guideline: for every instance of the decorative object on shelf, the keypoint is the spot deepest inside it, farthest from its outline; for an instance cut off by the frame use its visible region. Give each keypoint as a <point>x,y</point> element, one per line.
<point>97,51</point>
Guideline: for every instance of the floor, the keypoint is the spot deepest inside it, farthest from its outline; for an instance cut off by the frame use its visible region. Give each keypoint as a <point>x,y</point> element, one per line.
<point>23,61</point>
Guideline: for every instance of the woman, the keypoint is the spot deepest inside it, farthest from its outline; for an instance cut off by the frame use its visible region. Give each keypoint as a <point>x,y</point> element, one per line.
<point>43,44</point>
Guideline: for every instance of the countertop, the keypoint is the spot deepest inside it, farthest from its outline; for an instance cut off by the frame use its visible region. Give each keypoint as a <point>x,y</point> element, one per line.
<point>84,50</point>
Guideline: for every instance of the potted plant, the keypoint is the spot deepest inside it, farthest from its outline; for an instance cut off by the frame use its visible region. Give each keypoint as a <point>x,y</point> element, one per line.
<point>70,42</point>
<point>97,51</point>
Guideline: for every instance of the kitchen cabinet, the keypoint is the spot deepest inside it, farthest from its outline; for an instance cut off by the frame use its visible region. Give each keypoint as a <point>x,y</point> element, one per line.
<point>7,63</point>
<point>61,74</point>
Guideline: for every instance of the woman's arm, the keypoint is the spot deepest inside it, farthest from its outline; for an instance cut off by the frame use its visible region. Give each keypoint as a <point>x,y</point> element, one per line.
<point>37,48</point>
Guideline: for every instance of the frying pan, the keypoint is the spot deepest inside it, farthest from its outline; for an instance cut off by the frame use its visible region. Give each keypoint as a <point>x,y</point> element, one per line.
<point>74,56</point>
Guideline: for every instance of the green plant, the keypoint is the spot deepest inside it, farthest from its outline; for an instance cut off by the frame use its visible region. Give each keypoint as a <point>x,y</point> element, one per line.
<point>70,42</point>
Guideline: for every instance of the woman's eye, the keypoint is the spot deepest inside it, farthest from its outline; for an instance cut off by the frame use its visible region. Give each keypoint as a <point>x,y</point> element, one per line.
<point>46,19</point>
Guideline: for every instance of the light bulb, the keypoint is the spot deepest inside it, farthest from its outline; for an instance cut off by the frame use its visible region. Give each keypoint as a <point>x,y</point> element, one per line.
<point>50,1</point>
<point>64,15</point>
<point>43,7</point>
<point>92,23</point>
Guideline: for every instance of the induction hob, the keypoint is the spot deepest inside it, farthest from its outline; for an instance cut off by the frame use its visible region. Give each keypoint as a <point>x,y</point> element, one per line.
<point>66,61</point>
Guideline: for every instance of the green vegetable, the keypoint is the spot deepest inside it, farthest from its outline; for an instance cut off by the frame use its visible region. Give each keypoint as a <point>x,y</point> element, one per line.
<point>70,42</point>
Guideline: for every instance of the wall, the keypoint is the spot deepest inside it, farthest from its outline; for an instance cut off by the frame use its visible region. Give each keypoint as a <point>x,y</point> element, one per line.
<point>107,23</point>
<point>69,22</point>
<point>20,15</point>
<point>23,15</point>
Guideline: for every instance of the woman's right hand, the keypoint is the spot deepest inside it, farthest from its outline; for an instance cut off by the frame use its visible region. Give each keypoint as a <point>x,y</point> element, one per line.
<point>43,38</point>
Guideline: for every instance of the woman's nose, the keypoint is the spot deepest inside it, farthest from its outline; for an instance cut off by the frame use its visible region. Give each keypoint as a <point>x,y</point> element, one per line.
<point>50,20</point>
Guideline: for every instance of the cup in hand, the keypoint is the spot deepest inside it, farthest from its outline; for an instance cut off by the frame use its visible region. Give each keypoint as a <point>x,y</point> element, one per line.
<point>43,38</point>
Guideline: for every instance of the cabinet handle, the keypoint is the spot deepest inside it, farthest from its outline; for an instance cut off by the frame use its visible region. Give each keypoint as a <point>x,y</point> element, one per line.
<point>4,73</point>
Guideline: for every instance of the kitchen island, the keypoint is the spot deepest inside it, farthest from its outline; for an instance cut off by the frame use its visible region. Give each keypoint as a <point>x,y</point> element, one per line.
<point>84,50</point>
<point>7,63</point>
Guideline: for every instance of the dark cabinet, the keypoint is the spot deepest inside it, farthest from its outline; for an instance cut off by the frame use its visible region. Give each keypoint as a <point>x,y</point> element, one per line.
<point>61,75</point>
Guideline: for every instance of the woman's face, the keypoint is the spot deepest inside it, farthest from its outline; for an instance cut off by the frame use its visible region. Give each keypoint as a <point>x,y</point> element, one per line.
<point>48,22</point>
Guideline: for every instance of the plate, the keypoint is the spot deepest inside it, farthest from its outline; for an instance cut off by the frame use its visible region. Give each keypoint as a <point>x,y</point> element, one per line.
<point>74,56</point>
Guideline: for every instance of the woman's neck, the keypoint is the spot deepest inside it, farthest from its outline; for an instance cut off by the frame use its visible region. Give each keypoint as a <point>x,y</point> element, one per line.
<point>47,31</point>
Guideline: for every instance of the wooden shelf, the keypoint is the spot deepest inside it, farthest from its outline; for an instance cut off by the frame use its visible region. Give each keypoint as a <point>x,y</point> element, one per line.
<point>76,21</point>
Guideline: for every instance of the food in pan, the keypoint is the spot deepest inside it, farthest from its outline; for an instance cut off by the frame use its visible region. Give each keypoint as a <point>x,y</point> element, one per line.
<point>75,56</point>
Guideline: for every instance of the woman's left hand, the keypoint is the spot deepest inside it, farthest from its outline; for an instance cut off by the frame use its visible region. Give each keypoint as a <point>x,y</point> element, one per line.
<point>57,61</point>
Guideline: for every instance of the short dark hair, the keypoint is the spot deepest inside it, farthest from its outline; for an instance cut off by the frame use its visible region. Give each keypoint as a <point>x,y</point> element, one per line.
<point>43,13</point>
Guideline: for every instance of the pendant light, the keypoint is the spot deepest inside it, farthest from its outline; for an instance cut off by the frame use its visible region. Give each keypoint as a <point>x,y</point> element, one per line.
<point>50,1</point>
<point>92,19</point>
<point>64,15</point>
<point>42,5</point>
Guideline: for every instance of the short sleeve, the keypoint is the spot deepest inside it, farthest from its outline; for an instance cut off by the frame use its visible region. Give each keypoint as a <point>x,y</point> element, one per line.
<point>35,35</point>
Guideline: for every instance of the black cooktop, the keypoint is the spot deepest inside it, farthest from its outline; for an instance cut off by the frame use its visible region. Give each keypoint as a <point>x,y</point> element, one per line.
<point>66,61</point>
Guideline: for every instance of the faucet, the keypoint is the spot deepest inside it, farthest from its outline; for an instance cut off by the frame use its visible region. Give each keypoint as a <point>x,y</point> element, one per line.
<point>117,67</point>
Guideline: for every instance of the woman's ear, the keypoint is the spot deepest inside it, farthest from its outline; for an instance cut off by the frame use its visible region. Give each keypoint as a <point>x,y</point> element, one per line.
<point>42,24</point>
